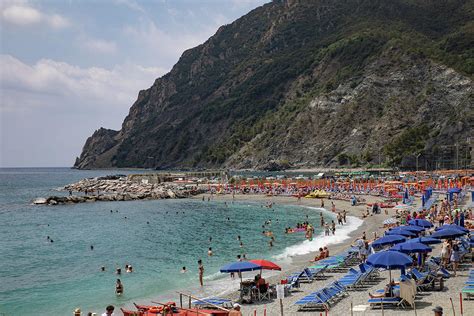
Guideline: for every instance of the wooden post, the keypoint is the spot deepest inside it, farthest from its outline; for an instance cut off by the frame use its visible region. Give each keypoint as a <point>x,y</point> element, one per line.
<point>254,312</point>
<point>189,302</point>
<point>352,309</point>
<point>460,303</point>
<point>281,307</point>
<point>180,300</point>
<point>452,305</point>
<point>265,311</point>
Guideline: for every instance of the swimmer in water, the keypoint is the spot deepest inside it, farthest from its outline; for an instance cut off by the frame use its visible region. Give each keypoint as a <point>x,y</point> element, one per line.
<point>183,270</point>
<point>102,269</point>
<point>92,247</point>
<point>119,271</point>
<point>209,252</point>
<point>238,237</point>
<point>241,244</point>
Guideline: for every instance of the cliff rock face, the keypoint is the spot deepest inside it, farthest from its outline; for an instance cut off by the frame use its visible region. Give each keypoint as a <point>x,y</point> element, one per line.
<point>308,83</point>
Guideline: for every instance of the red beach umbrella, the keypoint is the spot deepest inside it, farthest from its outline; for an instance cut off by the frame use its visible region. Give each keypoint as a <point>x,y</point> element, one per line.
<point>265,264</point>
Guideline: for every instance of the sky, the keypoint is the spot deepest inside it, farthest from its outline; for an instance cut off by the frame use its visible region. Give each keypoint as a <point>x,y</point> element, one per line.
<point>69,67</point>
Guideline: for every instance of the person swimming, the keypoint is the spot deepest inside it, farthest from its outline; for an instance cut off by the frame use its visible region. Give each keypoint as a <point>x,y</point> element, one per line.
<point>183,270</point>
<point>209,252</point>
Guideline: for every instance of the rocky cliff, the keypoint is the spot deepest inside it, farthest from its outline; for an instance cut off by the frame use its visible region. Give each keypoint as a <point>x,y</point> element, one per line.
<point>309,83</point>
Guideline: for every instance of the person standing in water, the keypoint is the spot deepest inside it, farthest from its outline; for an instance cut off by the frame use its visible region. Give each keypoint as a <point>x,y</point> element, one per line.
<point>209,252</point>
<point>118,287</point>
<point>201,272</point>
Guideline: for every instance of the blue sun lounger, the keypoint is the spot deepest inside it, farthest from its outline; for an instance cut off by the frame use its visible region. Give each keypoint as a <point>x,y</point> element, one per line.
<point>212,301</point>
<point>386,301</point>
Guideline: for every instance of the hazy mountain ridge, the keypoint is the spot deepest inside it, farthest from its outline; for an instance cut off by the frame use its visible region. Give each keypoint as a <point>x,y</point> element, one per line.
<point>307,83</point>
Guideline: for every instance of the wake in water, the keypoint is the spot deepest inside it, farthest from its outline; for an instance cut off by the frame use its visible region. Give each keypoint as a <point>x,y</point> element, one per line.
<point>319,241</point>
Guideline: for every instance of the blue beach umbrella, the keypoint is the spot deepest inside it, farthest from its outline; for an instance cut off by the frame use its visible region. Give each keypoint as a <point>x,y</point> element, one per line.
<point>420,222</point>
<point>425,240</point>
<point>411,247</point>
<point>415,229</point>
<point>453,226</point>
<point>388,240</point>
<point>447,233</point>
<point>389,260</point>
<point>402,232</point>
<point>240,266</point>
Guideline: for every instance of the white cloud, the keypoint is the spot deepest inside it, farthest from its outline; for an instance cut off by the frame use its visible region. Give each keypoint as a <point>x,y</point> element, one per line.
<point>57,84</point>
<point>21,15</point>
<point>100,46</point>
<point>24,15</point>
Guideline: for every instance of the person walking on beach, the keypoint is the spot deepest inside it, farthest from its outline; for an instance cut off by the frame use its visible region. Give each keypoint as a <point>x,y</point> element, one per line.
<point>333,227</point>
<point>339,218</point>
<point>201,272</point>
<point>326,229</point>
<point>321,219</point>
<point>344,216</point>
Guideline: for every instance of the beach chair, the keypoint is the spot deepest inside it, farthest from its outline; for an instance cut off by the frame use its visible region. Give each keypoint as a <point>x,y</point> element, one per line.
<point>306,276</point>
<point>423,280</point>
<point>293,282</point>
<point>209,302</point>
<point>468,292</point>
<point>386,301</point>
<point>313,301</point>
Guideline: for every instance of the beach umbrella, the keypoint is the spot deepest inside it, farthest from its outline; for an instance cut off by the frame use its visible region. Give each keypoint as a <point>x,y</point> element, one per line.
<point>240,266</point>
<point>453,226</point>
<point>415,229</point>
<point>425,240</point>
<point>410,247</point>
<point>447,233</point>
<point>390,221</point>
<point>389,260</point>
<point>398,231</point>
<point>420,222</point>
<point>388,240</point>
<point>265,264</point>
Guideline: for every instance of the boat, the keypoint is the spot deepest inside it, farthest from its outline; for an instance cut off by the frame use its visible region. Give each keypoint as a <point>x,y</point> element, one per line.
<point>170,309</point>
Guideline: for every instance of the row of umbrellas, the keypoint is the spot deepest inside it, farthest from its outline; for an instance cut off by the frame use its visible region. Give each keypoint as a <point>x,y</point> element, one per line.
<point>396,257</point>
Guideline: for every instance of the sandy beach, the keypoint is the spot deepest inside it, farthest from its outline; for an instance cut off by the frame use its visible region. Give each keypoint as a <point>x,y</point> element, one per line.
<point>425,301</point>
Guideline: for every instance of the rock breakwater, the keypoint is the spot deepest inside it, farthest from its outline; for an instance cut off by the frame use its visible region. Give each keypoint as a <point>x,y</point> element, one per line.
<point>118,189</point>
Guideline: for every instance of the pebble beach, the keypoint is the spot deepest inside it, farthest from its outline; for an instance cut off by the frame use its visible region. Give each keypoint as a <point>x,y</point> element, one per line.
<point>424,302</point>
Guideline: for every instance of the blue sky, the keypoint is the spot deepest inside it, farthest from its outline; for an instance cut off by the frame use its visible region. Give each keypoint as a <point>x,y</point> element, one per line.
<point>68,67</point>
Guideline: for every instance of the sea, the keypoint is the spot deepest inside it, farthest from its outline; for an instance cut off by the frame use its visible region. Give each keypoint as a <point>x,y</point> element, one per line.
<point>157,237</point>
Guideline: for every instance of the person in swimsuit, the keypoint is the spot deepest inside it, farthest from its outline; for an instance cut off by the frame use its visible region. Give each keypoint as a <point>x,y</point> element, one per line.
<point>118,287</point>
<point>201,272</point>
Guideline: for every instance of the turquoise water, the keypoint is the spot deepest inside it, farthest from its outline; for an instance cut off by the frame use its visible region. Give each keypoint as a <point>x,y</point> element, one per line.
<point>38,277</point>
